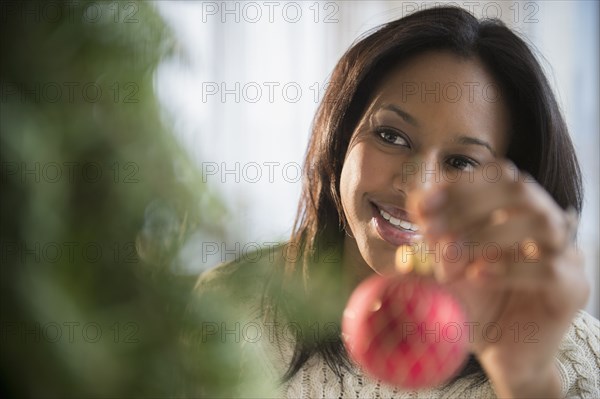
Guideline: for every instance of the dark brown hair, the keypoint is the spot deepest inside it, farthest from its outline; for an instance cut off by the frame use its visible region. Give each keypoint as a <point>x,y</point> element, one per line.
<point>539,143</point>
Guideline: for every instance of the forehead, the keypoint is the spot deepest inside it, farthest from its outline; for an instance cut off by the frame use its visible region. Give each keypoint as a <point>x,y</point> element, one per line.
<point>445,71</point>
<point>444,91</point>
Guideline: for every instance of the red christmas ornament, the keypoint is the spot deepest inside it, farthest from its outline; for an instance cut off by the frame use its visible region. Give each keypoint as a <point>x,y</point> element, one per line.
<point>405,330</point>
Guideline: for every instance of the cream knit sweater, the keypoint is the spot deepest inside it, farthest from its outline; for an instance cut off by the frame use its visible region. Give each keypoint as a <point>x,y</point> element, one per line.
<point>578,361</point>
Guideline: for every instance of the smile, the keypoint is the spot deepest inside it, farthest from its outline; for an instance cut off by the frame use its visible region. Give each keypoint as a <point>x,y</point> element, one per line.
<point>400,223</point>
<point>392,225</point>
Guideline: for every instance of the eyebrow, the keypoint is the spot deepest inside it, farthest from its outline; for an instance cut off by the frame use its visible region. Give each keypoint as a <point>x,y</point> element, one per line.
<point>403,114</point>
<point>464,140</point>
<point>467,140</point>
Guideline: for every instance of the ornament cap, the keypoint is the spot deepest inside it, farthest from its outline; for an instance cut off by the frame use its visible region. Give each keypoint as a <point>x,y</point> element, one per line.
<point>414,259</point>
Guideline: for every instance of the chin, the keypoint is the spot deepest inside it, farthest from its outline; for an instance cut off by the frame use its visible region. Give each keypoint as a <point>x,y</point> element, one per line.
<point>381,258</point>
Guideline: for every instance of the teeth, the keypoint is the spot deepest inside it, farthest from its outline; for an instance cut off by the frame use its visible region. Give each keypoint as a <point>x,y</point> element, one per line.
<point>399,222</point>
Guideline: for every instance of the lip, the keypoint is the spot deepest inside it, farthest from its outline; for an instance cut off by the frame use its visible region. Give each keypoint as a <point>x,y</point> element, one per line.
<point>387,231</point>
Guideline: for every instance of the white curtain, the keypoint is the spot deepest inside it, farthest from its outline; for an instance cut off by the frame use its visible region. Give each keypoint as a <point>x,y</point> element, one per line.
<point>243,98</point>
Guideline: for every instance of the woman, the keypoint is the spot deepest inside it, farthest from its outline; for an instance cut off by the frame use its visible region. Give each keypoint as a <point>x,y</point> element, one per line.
<point>441,128</point>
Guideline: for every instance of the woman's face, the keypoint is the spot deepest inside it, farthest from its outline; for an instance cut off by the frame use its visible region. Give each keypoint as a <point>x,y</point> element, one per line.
<point>433,120</point>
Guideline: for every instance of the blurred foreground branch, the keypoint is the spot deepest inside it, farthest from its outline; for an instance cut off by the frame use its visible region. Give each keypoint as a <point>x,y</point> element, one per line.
<point>97,200</point>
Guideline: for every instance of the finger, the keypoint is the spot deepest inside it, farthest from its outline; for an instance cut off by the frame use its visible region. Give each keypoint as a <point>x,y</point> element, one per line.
<point>574,284</point>
<point>471,203</point>
<point>503,260</point>
<point>510,230</point>
<point>531,273</point>
<point>495,205</point>
<point>563,276</point>
<point>468,188</point>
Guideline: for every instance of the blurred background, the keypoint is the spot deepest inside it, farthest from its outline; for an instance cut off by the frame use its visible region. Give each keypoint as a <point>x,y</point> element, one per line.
<point>243,98</point>
<point>98,198</point>
<point>145,142</point>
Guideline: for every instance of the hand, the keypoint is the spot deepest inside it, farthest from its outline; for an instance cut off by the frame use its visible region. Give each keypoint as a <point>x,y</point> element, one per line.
<point>505,250</point>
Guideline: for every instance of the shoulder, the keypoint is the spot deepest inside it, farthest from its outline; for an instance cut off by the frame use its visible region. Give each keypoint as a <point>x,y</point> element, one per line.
<point>579,357</point>
<point>241,284</point>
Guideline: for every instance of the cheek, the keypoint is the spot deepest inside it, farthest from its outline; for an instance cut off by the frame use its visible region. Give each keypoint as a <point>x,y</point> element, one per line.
<point>350,180</point>
<point>365,171</point>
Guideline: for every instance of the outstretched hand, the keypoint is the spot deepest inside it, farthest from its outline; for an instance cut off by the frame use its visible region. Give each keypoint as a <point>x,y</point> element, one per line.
<point>505,249</point>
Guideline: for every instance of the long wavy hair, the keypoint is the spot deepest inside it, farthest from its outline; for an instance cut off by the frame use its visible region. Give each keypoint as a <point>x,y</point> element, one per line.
<point>539,142</point>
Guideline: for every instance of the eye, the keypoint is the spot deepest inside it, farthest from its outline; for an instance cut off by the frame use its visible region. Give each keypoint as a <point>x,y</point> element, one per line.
<point>391,136</point>
<point>462,163</point>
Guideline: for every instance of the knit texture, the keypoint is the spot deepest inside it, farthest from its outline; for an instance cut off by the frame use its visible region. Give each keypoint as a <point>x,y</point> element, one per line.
<point>578,360</point>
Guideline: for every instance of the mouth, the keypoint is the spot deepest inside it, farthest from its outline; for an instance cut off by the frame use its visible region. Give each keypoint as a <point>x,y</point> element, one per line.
<point>394,225</point>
